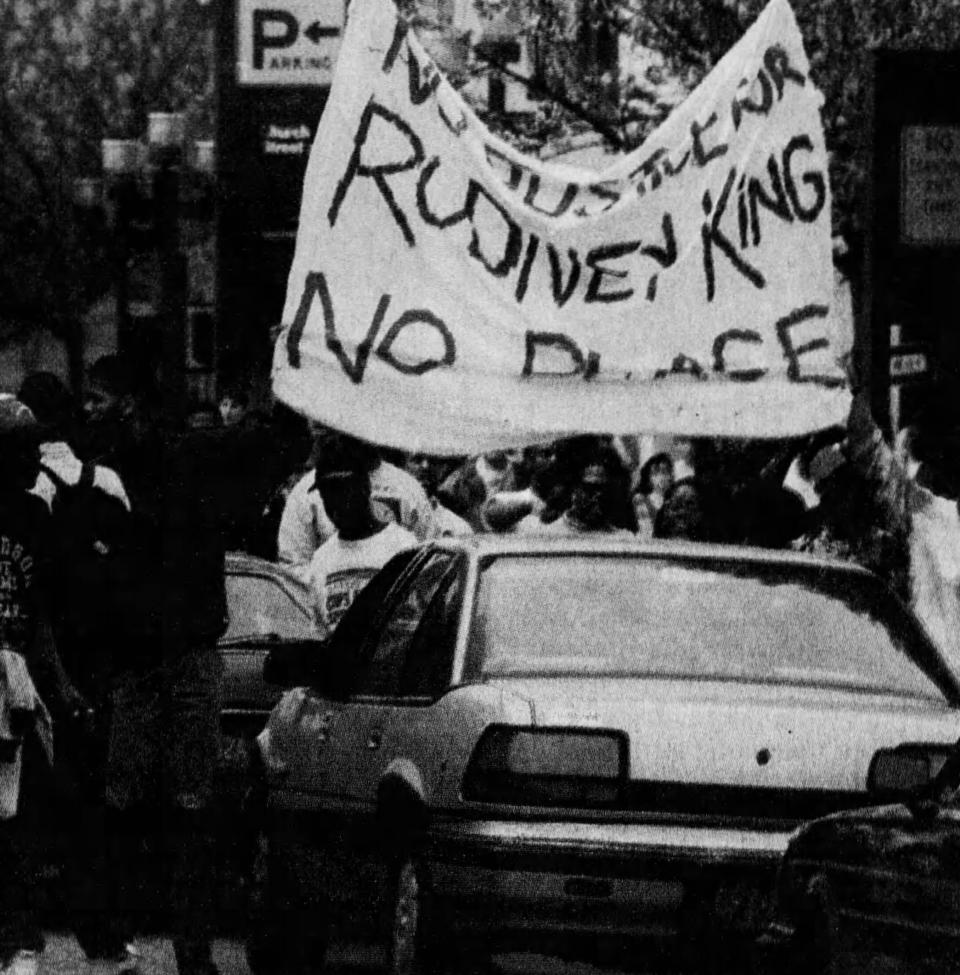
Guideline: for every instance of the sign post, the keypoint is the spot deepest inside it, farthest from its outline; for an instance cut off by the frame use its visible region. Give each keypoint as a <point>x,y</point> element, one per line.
<point>913,233</point>
<point>275,64</point>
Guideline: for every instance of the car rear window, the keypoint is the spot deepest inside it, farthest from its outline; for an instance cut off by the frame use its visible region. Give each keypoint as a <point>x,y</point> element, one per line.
<point>550,615</point>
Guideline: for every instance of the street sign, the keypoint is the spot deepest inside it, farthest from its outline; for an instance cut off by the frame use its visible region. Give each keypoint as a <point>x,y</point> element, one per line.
<point>906,365</point>
<point>930,184</point>
<point>288,42</point>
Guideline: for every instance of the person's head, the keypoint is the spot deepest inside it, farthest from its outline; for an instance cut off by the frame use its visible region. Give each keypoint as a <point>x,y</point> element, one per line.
<point>111,391</point>
<point>656,475</point>
<point>534,462</point>
<point>683,513</point>
<point>20,437</point>
<point>342,477</point>
<point>427,470</point>
<point>48,398</point>
<point>499,460</point>
<point>768,515</point>
<point>233,405</point>
<point>598,491</point>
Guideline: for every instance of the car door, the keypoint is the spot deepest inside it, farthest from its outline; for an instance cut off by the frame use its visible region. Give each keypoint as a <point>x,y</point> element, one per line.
<point>312,721</point>
<point>263,614</point>
<point>362,735</point>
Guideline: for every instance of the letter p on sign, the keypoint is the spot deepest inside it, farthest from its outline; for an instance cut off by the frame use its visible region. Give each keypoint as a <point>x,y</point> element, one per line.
<point>272,29</point>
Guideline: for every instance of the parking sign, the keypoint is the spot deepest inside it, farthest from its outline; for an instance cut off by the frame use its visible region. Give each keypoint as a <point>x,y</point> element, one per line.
<point>288,42</point>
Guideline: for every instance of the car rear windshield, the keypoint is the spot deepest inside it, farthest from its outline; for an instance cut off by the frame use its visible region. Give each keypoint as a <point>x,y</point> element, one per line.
<point>628,616</point>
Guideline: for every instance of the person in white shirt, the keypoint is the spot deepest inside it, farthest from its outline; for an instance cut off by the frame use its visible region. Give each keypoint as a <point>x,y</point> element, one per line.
<point>361,543</point>
<point>397,497</point>
<point>50,401</point>
<point>599,500</point>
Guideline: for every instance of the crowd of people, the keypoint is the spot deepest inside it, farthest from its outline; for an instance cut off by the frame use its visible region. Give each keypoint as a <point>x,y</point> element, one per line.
<point>113,530</point>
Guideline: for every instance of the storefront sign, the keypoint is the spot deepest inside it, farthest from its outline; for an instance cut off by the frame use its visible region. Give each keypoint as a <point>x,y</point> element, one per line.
<point>290,42</point>
<point>930,184</point>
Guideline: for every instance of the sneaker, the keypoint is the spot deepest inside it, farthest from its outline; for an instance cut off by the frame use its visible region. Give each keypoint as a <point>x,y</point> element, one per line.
<point>23,963</point>
<point>125,961</point>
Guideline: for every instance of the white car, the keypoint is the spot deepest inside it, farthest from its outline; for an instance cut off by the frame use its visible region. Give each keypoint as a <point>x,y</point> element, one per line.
<point>555,737</point>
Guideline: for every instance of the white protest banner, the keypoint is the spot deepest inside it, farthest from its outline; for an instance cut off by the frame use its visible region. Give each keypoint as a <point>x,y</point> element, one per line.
<point>451,295</point>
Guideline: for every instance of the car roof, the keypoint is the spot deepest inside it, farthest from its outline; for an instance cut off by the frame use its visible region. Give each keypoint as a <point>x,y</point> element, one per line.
<point>242,563</point>
<point>491,544</point>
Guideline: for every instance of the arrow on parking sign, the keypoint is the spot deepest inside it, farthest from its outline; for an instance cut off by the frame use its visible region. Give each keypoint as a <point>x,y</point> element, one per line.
<point>316,32</point>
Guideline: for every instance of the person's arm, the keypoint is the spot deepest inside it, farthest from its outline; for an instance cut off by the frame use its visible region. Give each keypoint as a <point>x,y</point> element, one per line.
<point>297,537</point>
<point>506,509</point>
<point>54,685</point>
<point>422,520</point>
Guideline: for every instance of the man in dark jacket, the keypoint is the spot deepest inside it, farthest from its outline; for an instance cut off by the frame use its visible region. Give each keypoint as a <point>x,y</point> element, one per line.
<point>169,611</point>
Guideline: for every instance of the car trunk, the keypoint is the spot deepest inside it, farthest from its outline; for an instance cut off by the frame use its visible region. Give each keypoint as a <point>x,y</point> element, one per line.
<point>727,751</point>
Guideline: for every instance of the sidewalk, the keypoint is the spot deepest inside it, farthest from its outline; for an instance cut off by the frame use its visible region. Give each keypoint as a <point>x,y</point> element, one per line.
<point>64,957</point>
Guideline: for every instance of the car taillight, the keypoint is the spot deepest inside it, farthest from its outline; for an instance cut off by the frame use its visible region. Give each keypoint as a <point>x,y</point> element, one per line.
<point>547,767</point>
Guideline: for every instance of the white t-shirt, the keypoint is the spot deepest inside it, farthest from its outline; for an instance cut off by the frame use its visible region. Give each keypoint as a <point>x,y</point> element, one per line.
<point>397,497</point>
<point>60,458</point>
<point>340,569</point>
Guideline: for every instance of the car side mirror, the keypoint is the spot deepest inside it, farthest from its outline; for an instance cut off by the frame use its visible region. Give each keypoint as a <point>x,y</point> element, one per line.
<point>901,774</point>
<point>295,663</point>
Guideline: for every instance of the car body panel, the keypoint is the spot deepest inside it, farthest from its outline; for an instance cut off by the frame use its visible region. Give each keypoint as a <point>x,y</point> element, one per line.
<point>747,734</point>
<point>894,876</point>
<point>267,605</point>
<point>720,771</point>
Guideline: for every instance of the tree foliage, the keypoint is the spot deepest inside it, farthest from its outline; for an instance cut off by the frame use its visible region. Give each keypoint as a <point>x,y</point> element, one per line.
<point>628,99</point>
<point>75,71</point>
<point>71,73</point>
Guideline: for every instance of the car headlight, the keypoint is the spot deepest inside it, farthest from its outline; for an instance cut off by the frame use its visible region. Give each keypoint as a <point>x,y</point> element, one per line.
<point>548,767</point>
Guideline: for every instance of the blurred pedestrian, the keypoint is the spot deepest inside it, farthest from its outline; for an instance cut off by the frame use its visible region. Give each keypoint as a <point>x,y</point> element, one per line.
<point>30,674</point>
<point>429,471</point>
<point>656,478</point>
<point>53,406</point>
<point>684,513</point>
<point>90,524</point>
<point>916,496</point>
<point>505,510</point>
<point>164,735</point>
<point>467,489</point>
<point>233,405</point>
<point>116,403</point>
<point>599,498</point>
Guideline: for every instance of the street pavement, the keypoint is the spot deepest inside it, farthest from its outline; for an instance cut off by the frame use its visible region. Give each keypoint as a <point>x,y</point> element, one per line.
<point>64,957</point>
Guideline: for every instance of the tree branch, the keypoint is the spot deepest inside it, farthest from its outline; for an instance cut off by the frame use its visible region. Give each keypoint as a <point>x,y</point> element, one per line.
<point>538,88</point>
